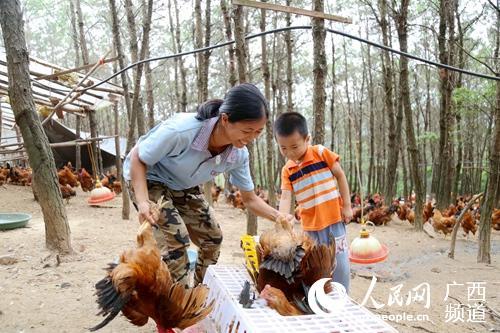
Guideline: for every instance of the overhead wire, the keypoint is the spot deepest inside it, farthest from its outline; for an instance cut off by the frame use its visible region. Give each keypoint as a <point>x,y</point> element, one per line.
<point>301,27</point>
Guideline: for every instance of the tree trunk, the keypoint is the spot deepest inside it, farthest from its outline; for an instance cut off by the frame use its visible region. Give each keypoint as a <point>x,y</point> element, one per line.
<point>459,132</point>
<point>492,196</point>
<point>371,105</point>
<point>121,58</point>
<point>183,92</point>
<point>83,42</point>
<point>349,122</point>
<point>118,158</point>
<point>91,115</point>
<point>78,155</point>
<point>206,54</point>
<point>332,100</point>
<point>198,43</point>
<point>241,57</point>
<point>176,59</point>
<point>319,70</point>
<point>401,20</point>
<point>74,33</point>
<point>148,76</point>
<point>289,64</point>
<point>93,134</point>
<point>239,36</point>
<point>137,110</point>
<point>389,185</point>
<point>269,129</point>
<point>230,48</point>
<point>74,37</point>
<point>119,175</point>
<point>57,231</point>
<point>445,163</point>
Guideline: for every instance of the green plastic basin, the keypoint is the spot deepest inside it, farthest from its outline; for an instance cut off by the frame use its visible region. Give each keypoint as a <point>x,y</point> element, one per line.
<point>13,220</point>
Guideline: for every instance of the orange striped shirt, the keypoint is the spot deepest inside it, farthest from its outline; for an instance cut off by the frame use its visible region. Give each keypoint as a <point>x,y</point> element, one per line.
<point>315,187</point>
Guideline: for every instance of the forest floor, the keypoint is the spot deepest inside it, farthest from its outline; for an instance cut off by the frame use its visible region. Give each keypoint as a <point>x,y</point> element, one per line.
<point>40,295</point>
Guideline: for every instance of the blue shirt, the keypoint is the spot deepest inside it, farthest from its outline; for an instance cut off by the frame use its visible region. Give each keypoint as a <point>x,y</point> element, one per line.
<point>176,154</point>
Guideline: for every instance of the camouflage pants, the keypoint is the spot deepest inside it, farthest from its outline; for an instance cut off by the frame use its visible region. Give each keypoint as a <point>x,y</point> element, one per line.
<point>187,216</point>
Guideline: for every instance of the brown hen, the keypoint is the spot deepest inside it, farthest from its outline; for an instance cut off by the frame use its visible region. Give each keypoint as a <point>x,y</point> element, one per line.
<point>443,224</point>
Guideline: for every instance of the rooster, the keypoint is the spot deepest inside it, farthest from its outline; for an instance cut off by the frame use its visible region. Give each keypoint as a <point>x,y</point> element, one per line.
<point>290,262</point>
<point>141,287</point>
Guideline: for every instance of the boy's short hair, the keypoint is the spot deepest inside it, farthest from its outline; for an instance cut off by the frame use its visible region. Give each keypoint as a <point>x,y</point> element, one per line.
<point>289,122</point>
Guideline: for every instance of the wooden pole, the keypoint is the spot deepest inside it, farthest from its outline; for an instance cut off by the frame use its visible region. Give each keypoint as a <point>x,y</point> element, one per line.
<point>85,67</point>
<point>451,253</point>
<point>292,10</point>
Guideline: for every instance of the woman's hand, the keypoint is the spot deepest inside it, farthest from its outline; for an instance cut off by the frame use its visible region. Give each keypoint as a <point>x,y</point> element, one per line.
<point>145,213</point>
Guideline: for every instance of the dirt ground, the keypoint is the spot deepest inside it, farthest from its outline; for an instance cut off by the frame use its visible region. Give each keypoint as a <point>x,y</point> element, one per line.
<point>37,295</point>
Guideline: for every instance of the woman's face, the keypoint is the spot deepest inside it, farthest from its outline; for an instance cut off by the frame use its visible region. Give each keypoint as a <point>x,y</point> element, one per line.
<point>241,133</point>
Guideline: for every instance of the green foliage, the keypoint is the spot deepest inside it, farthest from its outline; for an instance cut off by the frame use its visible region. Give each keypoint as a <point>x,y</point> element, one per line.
<point>469,102</point>
<point>428,136</point>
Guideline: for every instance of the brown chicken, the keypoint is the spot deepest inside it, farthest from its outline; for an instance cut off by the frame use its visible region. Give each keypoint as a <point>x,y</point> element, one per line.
<point>67,192</point>
<point>20,176</point>
<point>405,212</point>
<point>117,186</point>
<point>290,263</point>
<point>443,224</point>
<point>238,201</point>
<point>495,219</point>
<point>215,191</point>
<point>468,224</point>
<point>381,216</point>
<point>450,211</point>
<point>67,177</point>
<point>4,176</point>
<point>141,287</point>
<point>86,180</point>
<point>428,211</point>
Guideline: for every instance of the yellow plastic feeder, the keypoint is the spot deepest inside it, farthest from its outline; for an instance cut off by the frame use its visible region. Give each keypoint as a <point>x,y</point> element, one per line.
<point>100,194</point>
<point>366,249</point>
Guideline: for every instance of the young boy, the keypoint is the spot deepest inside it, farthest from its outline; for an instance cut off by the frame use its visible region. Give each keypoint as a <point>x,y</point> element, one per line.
<point>314,175</point>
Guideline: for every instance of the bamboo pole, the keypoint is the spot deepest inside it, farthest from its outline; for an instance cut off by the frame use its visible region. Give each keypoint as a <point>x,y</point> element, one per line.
<point>292,10</point>
<point>62,102</point>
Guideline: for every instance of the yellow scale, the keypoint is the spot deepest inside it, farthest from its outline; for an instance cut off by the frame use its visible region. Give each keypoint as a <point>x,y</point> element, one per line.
<point>249,249</point>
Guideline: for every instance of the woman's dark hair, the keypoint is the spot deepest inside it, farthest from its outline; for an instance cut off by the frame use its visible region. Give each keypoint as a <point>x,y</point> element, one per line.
<point>242,102</point>
<point>290,122</point>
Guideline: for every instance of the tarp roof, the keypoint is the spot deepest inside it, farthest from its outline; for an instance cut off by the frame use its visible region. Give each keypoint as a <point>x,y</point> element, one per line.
<point>44,92</point>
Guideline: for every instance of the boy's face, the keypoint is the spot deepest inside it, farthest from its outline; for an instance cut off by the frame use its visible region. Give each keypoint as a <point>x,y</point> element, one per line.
<point>294,146</point>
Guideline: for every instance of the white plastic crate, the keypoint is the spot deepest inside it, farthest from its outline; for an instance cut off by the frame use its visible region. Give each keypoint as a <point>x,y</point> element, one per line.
<point>226,282</point>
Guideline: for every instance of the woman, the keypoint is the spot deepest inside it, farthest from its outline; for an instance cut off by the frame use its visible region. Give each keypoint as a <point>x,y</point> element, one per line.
<point>187,150</point>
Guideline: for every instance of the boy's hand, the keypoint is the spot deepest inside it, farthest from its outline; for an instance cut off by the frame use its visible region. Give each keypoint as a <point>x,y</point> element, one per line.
<point>288,217</point>
<point>346,212</point>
